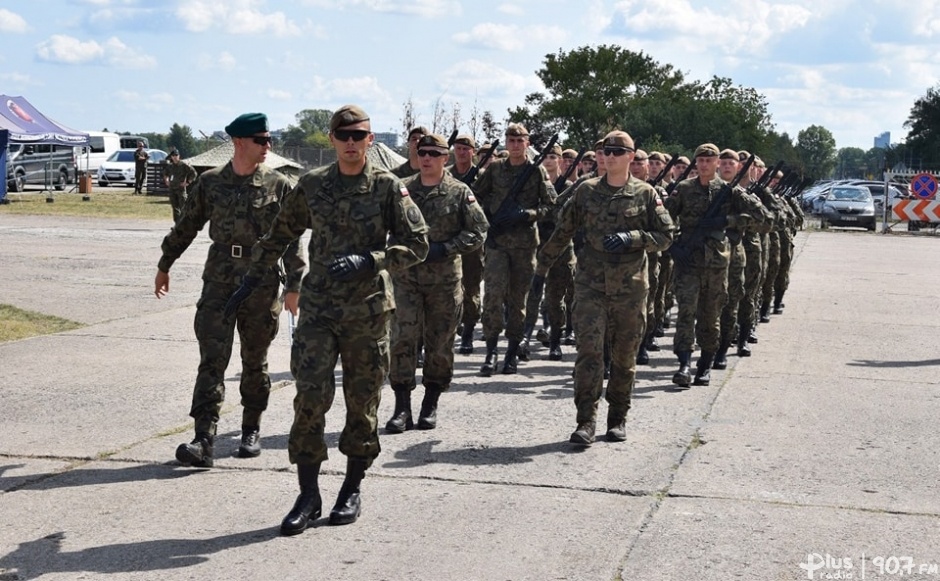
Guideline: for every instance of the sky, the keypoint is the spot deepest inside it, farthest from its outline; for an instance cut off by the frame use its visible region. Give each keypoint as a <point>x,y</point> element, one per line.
<point>855,67</point>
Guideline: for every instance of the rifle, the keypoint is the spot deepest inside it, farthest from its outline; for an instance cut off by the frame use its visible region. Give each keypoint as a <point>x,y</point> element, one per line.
<point>682,250</point>
<point>764,180</point>
<point>452,139</point>
<point>672,187</point>
<point>785,181</point>
<point>563,179</point>
<point>472,174</point>
<point>509,208</point>
<point>665,171</point>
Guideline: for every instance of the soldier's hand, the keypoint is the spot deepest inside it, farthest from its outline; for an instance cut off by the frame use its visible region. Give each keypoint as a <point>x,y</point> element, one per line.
<point>511,218</point>
<point>436,252</point>
<point>351,266</point>
<point>538,284</point>
<point>716,223</point>
<point>618,242</point>
<point>248,285</point>
<point>161,284</point>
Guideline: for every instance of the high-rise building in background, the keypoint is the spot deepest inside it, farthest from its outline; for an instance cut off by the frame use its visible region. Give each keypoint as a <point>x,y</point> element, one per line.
<point>883,141</point>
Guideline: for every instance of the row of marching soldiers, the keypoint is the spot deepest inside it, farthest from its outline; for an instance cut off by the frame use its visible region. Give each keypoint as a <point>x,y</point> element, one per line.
<point>613,237</point>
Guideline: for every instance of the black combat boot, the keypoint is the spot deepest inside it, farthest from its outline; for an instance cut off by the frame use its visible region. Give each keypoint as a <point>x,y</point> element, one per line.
<point>703,369</point>
<point>683,377</point>
<point>554,344</point>
<point>250,446</point>
<point>427,417</point>
<point>666,322</point>
<point>721,356</point>
<point>522,352</point>
<point>491,354</point>
<point>584,434</point>
<point>401,418</point>
<point>778,304</point>
<point>348,504</point>
<point>466,340</point>
<point>765,312</point>
<point>660,330</point>
<point>642,357</point>
<point>616,426</point>
<point>752,336</point>
<point>197,453</point>
<point>651,344</point>
<point>511,360</point>
<point>744,349</point>
<point>308,506</point>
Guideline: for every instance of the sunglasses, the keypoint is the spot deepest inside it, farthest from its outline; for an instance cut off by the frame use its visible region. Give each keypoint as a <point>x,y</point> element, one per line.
<point>431,152</point>
<point>354,134</point>
<point>262,139</point>
<point>616,151</point>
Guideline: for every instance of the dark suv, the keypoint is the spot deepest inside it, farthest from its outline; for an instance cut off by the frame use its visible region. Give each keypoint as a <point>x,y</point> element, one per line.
<point>43,164</point>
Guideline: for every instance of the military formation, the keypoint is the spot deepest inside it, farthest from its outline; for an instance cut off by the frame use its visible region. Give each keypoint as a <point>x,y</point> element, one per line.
<point>602,245</point>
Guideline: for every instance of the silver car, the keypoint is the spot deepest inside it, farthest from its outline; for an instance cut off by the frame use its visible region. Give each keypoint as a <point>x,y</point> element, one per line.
<point>848,206</point>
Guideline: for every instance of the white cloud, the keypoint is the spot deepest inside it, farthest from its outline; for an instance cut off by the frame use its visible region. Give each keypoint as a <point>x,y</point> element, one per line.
<point>471,78</point>
<point>17,79</point>
<point>149,102</point>
<point>511,9</point>
<point>224,61</point>
<point>12,22</point>
<point>422,8</point>
<point>72,51</point>
<point>344,90</point>
<point>279,95</point>
<point>505,37</point>
<point>234,17</point>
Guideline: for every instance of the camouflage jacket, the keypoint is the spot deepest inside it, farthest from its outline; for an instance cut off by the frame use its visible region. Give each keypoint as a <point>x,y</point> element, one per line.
<point>600,209</point>
<point>177,174</point>
<point>368,213</point>
<point>689,203</point>
<point>537,195</point>
<point>404,170</point>
<point>239,210</point>
<point>452,169</point>
<point>454,218</point>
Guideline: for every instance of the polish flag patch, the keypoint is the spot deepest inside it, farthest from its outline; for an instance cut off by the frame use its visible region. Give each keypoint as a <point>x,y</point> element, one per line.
<point>471,199</point>
<point>404,192</point>
<point>659,201</point>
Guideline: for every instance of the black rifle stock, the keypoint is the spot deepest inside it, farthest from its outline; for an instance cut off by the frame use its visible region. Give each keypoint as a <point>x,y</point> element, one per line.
<point>475,170</point>
<point>681,250</point>
<point>509,204</point>
<point>685,174</point>
<point>563,179</point>
<point>764,180</point>
<point>452,139</point>
<point>665,171</point>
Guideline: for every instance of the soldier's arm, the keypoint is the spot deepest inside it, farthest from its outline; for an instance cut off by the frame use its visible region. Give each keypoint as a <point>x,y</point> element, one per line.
<point>408,228</point>
<point>547,195</point>
<point>288,226</point>
<point>293,258</point>
<point>661,228</point>
<point>475,226</point>
<point>194,216</point>
<point>566,225</point>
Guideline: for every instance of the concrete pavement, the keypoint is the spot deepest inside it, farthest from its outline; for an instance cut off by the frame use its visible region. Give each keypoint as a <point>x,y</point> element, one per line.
<point>818,455</point>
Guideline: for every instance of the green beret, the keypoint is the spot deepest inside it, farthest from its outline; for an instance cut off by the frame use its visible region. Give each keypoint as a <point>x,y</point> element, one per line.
<point>464,139</point>
<point>347,115</point>
<point>706,150</point>
<point>516,130</point>
<point>247,124</point>
<point>617,139</point>
<point>433,140</point>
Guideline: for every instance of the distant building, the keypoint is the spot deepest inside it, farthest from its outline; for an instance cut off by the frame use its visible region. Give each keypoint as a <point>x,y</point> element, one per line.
<point>389,139</point>
<point>883,141</point>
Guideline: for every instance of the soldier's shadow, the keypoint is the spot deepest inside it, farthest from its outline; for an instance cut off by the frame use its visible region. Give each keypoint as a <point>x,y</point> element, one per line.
<point>45,555</point>
<point>423,453</point>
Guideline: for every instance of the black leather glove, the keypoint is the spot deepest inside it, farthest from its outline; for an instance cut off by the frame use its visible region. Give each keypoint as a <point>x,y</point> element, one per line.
<point>436,252</point>
<point>618,242</point>
<point>716,223</point>
<point>681,256</point>
<point>511,218</point>
<point>538,283</point>
<point>244,290</point>
<point>351,266</point>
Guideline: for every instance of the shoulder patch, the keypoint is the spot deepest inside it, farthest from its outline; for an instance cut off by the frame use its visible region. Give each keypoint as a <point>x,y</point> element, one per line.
<point>470,198</point>
<point>659,201</point>
<point>404,192</point>
<point>412,213</point>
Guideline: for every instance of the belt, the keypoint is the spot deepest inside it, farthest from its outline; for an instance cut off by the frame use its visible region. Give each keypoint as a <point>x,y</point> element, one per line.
<point>233,250</point>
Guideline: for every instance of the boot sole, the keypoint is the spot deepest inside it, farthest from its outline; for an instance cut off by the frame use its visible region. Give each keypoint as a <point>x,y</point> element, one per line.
<point>578,440</point>
<point>247,453</point>
<point>336,520</point>
<point>185,457</point>
<point>615,437</point>
<point>682,382</point>
<point>289,532</point>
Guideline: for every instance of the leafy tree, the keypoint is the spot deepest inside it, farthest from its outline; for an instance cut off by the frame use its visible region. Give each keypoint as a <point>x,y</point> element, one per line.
<point>408,119</point>
<point>181,137</point>
<point>923,126</point>
<point>156,140</point>
<point>312,129</point>
<point>817,149</point>
<point>492,129</point>
<point>851,163</point>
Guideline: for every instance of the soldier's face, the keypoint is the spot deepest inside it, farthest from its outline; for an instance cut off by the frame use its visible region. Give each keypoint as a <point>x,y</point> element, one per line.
<point>599,161</point>
<point>640,169</point>
<point>551,162</point>
<point>431,162</point>
<point>463,154</point>
<point>727,169</point>
<point>706,166</point>
<point>656,167</point>
<point>352,149</point>
<point>516,146</point>
<point>678,170</point>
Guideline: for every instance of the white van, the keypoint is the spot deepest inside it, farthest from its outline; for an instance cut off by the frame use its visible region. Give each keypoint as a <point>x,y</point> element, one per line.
<point>101,145</point>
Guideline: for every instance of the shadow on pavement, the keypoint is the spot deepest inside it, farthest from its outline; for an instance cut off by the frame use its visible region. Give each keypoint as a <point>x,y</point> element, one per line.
<point>423,453</point>
<point>893,364</point>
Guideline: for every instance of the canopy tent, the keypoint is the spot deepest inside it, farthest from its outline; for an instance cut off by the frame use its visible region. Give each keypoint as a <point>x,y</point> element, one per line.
<point>27,125</point>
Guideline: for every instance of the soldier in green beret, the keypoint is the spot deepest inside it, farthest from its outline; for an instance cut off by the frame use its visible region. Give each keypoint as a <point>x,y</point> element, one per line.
<point>363,224</point>
<point>239,200</point>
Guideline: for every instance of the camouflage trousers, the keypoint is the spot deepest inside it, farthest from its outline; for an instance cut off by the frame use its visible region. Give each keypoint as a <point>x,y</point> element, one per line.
<point>653,273</point>
<point>773,267</point>
<point>436,309</point>
<point>701,294</point>
<point>177,201</point>
<point>621,319</point>
<point>782,282</point>
<point>748,311</point>
<point>472,264</point>
<point>507,277</point>
<point>559,292</point>
<point>729,313</point>
<point>363,346</point>
<point>663,292</point>
<point>257,324</point>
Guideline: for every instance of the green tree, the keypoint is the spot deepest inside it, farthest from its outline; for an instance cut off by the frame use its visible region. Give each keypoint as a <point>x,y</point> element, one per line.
<point>851,163</point>
<point>923,126</point>
<point>312,129</point>
<point>181,137</point>
<point>817,149</point>
<point>156,140</point>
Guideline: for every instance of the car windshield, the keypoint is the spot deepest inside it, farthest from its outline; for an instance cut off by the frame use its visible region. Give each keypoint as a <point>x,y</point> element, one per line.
<point>850,194</point>
<point>122,156</point>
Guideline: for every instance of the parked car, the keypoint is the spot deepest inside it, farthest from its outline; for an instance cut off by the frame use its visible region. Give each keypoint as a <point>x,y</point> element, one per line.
<point>120,168</point>
<point>101,146</point>
<point>848,206</point>
<point>895,192</point>
<point>41,164</point>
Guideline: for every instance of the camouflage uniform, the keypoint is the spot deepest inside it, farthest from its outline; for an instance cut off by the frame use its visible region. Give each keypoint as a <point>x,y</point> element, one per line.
<point>610,288</point>
<point>753,250</point>
<point>140,169</point>
<point>510,252</point>
<point>239,210</point>
<point>773,252</point>
<point>471,277</point>
<point>176,175</point>
<point>795,221</point>
<point>431,292</point>
<point>349,319</point>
